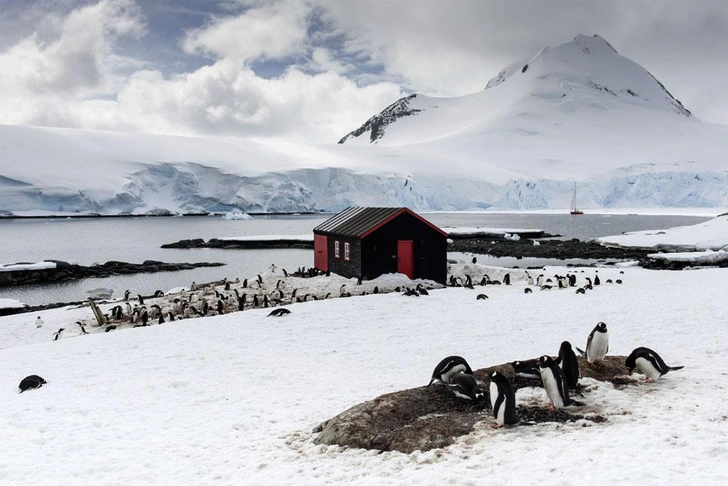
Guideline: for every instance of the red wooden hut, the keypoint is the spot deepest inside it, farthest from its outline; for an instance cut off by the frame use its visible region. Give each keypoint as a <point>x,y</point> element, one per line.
<point>368,242</point>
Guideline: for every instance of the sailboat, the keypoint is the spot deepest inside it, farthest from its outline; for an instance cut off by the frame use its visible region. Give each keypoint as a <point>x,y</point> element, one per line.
<point>574,209</point>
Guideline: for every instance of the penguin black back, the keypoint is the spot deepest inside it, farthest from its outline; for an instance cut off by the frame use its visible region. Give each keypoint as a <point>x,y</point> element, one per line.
<point>569,364</point>
<point>30,382</point>
<point>503,399</point>
<point>463,385</point>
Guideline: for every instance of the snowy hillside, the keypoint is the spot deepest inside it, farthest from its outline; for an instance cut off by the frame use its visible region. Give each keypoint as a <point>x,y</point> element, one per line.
<point>578,112</point>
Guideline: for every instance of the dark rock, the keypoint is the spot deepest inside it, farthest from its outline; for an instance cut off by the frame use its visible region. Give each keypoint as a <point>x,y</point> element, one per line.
<point>547,248</point>
<point>65,271</point>
<point>194,243</point>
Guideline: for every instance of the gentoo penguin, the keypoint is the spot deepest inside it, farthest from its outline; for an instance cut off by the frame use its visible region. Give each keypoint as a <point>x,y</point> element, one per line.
<point>503,399</point>
<point>449,367</point>
<point>527,369</point>
<point>596,280</point>
<point>527,291</point>
<point>569,364</point>
<point>481,297</point>
<point>30,382</point>
<point>279,312</point>
<point>126,295</point>
<point>507,279</point>
<point>465,386</point>
<point>83,329</point>
<point>110,328</point>
<point>554,382</point>
<point>649,363</point>
<point>597,345</point>
<point>39,322</point>
<point>57,334</point>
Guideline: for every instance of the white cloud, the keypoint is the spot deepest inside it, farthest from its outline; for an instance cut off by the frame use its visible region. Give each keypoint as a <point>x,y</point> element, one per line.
<point>316,69</point>
<point>270,31</point>
<point>80,62</point>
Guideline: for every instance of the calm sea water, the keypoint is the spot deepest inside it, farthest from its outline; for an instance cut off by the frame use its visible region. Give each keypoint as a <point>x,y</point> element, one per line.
<point>89,241</point>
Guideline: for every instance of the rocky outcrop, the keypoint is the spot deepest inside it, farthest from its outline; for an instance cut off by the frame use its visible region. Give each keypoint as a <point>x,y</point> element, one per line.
<point>241,244</point>
<point>561,249</point>
<point>65,271</point>
<point>427,418</point>
<point>376,124</point>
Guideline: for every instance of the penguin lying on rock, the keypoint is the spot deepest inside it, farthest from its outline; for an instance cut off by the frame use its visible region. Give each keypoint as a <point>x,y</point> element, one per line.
<point>463,385</point>
<point>449,367</point>
<point>649,363</point>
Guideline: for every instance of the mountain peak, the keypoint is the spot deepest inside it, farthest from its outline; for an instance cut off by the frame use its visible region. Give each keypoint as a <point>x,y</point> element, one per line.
<point>586,78</point>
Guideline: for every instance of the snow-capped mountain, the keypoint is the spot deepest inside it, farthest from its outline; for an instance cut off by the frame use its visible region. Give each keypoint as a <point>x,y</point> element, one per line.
<point>578,112</point>
<point>585,77</point>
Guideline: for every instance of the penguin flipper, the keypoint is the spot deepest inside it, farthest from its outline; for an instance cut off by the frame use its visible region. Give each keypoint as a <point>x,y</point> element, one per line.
<point>581,352</point>
<point>575,403</point>
<point>675,368</point>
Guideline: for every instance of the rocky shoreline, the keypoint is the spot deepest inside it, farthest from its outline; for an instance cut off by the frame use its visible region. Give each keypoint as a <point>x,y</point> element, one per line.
<point>240,244</point>
<point>64,271</point>
<point>546,248</point>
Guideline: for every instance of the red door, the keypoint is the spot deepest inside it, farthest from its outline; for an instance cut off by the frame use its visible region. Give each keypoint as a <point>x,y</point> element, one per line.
<point>320,252</point>
<point>406,257</point>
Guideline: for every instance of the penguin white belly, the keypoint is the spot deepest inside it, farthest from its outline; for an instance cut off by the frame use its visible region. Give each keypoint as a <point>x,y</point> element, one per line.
<point>646,367</point>
<point>598,348</point>
<point>552,388</point>
<point>446,376</point>
<point>498,409</point>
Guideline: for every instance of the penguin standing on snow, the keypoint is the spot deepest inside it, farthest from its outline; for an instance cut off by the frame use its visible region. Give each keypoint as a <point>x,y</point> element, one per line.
<point>569,364</point>
<point>503,399</point>
<point>39,322</point>
<point>649,363</point>
<point>449,367</point>
<point>554,382</point>
<point>597,345</point>
<point>57,334</point>
<point>465,386</point>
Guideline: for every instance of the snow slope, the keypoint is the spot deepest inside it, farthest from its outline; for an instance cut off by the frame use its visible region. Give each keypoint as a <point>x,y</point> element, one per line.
<point>708,235</point>
<point>233,399</point>
<point>578,112</point>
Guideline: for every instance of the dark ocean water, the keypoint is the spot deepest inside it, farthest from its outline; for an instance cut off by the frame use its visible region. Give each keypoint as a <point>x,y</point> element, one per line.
<point>89,241</point>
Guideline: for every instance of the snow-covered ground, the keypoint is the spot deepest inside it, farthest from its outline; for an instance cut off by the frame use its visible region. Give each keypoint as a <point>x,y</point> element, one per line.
<point>708,235</point>
<point>232,399</point>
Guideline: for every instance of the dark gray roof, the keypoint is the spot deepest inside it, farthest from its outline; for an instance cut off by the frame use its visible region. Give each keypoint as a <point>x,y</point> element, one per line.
<point>357,222</point>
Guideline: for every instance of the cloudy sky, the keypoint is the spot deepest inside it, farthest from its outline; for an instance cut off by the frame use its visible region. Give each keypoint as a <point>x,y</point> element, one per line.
<point>316,69</point>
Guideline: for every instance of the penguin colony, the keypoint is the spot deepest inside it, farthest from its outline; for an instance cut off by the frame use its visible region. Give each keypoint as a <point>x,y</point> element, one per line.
<point>222,297</point>
<point>559,376</point>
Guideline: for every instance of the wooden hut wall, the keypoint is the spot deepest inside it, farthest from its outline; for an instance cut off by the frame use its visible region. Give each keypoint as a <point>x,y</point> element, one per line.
<point>379,249</point>
<point>340,266</point>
